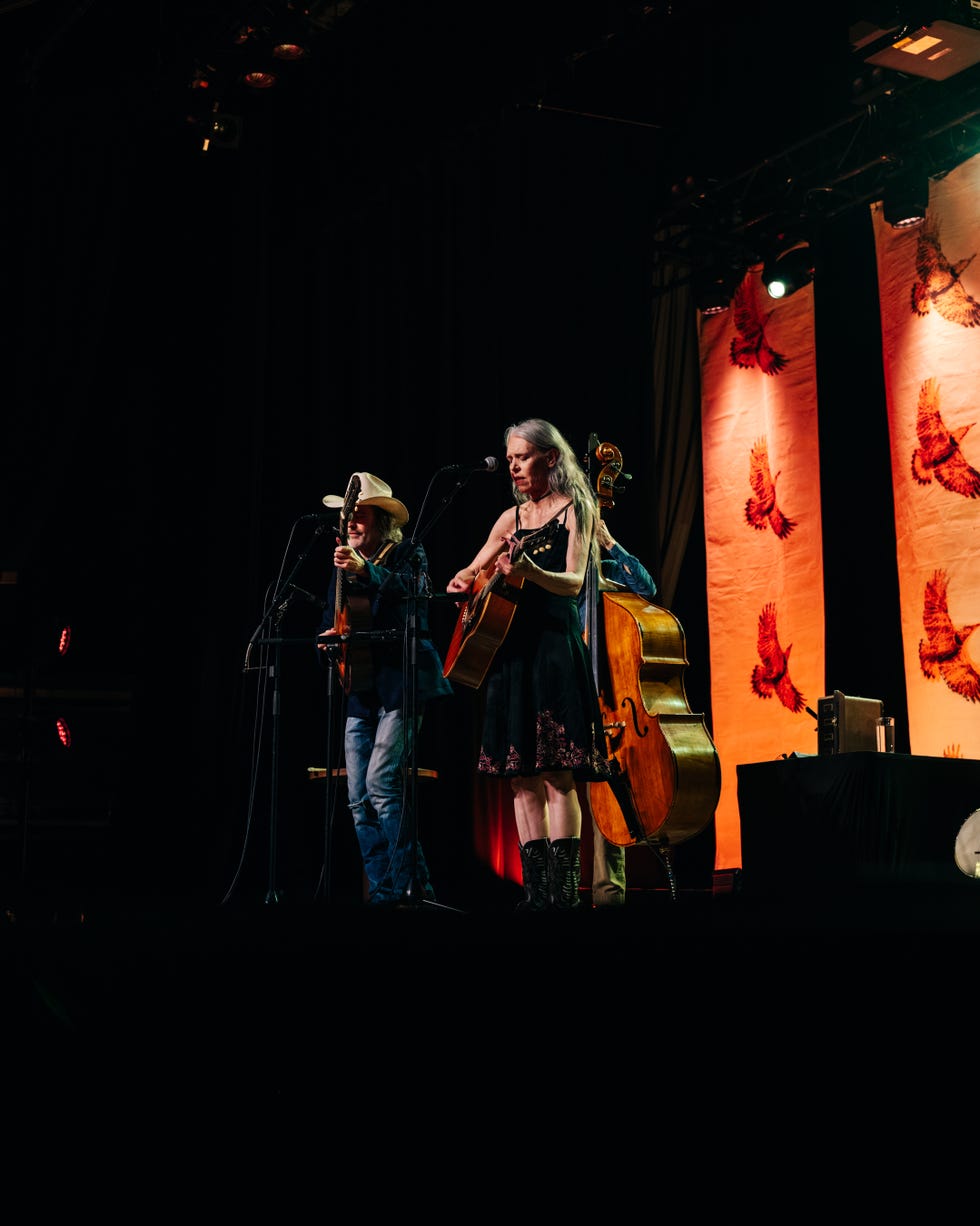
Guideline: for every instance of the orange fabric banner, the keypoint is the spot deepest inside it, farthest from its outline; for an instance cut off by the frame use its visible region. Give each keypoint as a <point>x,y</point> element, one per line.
<point>929,289</point>
<point>763,535</point>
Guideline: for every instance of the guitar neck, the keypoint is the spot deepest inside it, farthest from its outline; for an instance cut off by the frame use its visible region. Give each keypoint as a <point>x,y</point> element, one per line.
<point>350,503</point>
<point>339,596</point>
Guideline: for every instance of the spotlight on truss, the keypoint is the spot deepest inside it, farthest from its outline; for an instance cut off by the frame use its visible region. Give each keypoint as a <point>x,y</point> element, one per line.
<point>788,270</point>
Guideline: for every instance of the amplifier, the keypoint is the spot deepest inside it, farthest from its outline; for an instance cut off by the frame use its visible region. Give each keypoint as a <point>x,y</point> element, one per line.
<point>847,725</point>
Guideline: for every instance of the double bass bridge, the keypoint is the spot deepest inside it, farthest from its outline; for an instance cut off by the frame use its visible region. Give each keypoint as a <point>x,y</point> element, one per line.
<point>616,729</point>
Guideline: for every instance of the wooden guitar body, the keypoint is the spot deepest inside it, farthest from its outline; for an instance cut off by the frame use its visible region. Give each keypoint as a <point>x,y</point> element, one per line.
<point>481,627</point>
<point>355,666</point>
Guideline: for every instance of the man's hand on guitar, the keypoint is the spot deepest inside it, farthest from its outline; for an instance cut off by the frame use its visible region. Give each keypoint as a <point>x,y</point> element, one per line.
<point>349,560</point>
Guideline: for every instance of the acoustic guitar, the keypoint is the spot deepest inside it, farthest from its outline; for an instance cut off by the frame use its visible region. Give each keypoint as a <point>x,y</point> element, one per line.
<point>352,613</point>
<point>482,624</point>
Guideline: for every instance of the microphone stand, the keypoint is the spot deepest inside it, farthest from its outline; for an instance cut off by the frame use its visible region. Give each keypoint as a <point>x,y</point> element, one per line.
<point>272,891</point>
<point>333,652</point>
<point>277,610</point>
<point>416,893</point>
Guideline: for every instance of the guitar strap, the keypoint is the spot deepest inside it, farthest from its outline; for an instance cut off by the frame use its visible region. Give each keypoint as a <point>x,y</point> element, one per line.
<point>382,553</point>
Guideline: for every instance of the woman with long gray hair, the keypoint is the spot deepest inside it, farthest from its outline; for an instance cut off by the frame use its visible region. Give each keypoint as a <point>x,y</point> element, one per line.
<point>542,726</point>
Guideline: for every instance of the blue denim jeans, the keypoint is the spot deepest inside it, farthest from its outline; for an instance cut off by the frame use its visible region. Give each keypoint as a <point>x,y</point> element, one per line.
<point>376,749</point>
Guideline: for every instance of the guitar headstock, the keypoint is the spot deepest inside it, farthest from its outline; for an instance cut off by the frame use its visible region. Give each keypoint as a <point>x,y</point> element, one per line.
<point>350,502</point>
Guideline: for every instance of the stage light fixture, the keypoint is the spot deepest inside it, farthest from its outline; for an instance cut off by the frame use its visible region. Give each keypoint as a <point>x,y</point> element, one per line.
<point>289,51</point>
<point>291,39</point>
<point>260,78</point>
<point>906,199</point>
<point>788,270</point>
<point>714,288</point>
<point>221,130</point>
<point>936,49</point>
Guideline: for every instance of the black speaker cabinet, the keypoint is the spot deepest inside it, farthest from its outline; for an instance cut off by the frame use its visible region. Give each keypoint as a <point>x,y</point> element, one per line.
<point>847,725</point>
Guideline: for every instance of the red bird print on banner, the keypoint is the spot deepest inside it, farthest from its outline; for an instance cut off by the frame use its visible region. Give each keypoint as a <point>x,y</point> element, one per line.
<point>762,509</point>
<point>772,675</point>
<point>938,454</point>
<point>939,286</point>
<point>750,347</point>
<point>941,652</point>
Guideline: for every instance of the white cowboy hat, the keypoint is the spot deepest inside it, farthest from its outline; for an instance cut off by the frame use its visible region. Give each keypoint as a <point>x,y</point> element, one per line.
<point>373,492</point>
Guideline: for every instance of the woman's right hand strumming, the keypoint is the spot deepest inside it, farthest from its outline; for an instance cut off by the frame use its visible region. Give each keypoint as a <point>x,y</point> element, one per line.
<point>462,581</point>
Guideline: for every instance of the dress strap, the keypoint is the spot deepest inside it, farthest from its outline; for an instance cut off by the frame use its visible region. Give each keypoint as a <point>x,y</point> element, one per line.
<point>562,511</point>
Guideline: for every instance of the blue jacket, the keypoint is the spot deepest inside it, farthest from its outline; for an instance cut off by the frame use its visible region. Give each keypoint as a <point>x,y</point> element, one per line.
<point>629,572</point>
<point>625,570</point>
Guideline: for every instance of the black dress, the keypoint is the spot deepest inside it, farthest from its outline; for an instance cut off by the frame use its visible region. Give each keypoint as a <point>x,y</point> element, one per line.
<point>541,707</point>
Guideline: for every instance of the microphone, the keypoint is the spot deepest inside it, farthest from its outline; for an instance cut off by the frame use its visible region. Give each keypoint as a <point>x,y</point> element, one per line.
<point>323,516</point>
<point>307,595</point>
<point>488,464</point>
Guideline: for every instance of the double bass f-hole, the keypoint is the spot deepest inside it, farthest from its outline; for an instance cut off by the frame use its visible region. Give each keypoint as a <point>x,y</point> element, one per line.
<point>628,702</point>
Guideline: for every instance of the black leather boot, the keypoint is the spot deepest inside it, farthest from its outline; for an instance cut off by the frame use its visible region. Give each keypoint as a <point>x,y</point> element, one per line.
<point>566,874</point>
<point>534,869</point>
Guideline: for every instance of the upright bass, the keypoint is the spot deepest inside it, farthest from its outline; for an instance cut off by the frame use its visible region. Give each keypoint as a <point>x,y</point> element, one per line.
<point>665,774</point>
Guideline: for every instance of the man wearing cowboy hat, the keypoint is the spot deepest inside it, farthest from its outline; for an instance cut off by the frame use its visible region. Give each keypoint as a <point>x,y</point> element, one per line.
<point>375,575</point>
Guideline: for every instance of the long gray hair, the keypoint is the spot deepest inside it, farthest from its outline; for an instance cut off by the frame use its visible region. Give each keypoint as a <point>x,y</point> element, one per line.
<point>566,478</point>
<point>388,530</point>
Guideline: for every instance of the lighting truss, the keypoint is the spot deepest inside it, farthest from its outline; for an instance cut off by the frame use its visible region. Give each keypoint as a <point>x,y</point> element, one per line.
<point>828,174</point>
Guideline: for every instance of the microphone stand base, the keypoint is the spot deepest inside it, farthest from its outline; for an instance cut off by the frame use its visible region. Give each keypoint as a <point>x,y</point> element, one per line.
<point>415,899</point>
<point>427,902</point>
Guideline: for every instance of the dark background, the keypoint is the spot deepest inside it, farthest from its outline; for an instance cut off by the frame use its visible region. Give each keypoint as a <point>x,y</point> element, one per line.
<point>450,222</point>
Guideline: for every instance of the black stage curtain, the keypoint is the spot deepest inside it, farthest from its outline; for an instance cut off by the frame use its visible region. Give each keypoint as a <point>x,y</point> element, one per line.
<point>210,343</point>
